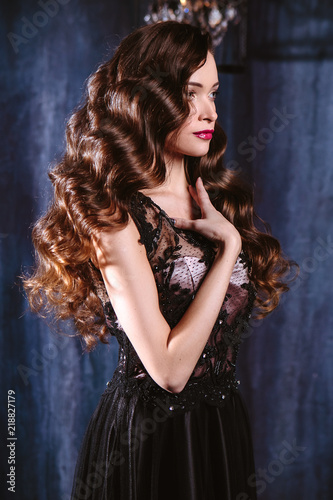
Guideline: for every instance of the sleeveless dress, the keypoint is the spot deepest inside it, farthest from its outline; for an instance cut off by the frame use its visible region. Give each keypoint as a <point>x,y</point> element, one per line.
<point>145,443</point>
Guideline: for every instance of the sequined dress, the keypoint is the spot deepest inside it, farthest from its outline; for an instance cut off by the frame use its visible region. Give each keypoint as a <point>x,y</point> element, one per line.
<point>145,443</point>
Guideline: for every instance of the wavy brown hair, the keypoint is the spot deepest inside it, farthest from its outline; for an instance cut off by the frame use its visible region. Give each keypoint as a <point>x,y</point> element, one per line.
<point>115,144</point>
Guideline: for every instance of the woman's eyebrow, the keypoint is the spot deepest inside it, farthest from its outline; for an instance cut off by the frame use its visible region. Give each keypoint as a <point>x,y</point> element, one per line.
<point>195,84</point>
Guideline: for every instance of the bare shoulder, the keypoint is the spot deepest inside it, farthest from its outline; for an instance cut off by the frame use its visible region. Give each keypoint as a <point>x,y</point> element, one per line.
<point>118,244</point>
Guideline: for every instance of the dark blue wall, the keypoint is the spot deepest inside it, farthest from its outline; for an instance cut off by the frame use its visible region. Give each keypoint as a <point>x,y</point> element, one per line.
<point>279,119</point>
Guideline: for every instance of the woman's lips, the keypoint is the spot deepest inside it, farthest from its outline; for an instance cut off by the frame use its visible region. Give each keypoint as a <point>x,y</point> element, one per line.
<point>204,134</point>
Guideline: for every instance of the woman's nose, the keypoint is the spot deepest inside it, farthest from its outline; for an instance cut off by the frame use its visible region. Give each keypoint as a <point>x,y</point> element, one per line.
<point>208,111</point>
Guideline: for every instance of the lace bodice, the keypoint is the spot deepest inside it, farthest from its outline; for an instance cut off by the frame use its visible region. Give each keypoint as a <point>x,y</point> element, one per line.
<point>180,260</point>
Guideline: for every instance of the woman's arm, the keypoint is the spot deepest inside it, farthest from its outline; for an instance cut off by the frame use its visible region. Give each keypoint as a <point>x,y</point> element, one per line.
<point>169,355</point>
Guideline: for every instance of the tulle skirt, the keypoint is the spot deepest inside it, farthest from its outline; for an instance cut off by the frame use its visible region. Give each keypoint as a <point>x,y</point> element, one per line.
<point>132,451</point>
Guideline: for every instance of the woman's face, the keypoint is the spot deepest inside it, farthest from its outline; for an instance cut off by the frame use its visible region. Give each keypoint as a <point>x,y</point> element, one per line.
<point>193,138</point>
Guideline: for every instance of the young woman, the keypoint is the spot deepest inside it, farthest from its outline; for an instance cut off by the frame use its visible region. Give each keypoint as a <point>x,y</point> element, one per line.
<point>150,239</point>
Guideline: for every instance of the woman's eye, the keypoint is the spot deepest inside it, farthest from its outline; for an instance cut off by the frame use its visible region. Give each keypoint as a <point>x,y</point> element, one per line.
<point>191,94</point>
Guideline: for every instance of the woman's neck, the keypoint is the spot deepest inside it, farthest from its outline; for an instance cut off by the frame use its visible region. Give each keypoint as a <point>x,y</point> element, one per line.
<point>173,195</point>
<point>175,182</point>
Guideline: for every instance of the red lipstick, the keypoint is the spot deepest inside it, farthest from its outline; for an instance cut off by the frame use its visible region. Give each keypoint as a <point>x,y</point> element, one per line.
<point>204,134</point>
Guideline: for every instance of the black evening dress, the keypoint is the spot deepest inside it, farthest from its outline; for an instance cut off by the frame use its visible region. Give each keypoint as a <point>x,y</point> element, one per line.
<point>145,443</point>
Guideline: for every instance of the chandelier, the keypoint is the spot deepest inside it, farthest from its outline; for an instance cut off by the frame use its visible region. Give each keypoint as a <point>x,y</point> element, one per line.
<point>213,16</point>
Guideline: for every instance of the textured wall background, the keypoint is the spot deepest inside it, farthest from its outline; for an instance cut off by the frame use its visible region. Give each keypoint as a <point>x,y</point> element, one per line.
<point>279,117</point>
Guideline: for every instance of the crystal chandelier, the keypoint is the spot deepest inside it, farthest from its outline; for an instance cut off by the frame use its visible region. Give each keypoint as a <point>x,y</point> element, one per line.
<point>213,16</point>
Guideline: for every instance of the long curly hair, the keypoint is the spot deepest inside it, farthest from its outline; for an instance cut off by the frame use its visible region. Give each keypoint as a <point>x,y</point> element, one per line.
<point>115,144</point>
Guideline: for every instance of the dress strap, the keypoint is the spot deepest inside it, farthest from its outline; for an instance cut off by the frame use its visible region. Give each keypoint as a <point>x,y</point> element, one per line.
<point>147,221</point>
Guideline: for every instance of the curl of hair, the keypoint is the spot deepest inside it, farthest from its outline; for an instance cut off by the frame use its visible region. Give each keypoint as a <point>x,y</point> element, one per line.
<point>114,147</point>
<point>232,195</point>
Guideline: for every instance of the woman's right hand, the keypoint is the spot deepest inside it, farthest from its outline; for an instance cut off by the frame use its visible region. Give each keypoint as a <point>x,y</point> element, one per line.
<point>212,224</point>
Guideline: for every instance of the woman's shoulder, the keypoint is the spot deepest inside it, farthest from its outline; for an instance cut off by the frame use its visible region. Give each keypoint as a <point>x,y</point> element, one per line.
<point>111,244</point>
<point>148,218</point>
<point>116,243</point>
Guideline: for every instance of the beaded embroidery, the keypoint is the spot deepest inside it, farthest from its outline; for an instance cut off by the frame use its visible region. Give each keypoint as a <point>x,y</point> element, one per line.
<point>180,260</point>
